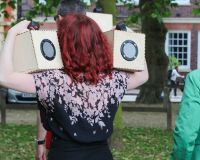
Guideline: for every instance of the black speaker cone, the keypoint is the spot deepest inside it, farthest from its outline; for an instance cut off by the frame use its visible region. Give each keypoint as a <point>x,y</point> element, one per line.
<point>48,49</point>
<point>129,50</point>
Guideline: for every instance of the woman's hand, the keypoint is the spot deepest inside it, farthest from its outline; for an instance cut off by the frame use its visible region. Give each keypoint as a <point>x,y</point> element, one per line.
<point>40,152</point>
<point>19,27</point>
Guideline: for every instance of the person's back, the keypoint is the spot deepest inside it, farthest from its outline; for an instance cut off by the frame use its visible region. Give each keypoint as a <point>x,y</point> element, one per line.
<point>173,79</point>
<point>85,111</point>
<point>175,74</point>
<point>81,100</point>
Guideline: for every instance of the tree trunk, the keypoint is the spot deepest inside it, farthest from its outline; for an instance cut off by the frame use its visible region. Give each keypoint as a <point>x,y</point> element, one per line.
<point>157,60</point>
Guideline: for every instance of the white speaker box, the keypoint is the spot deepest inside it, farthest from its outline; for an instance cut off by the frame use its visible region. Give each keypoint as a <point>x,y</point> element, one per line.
<point>37,50</point>
<point>105,21</point>
<point>128,49</point>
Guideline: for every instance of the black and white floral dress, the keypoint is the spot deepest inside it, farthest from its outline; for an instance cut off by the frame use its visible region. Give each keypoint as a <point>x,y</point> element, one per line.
<point>80,115</point>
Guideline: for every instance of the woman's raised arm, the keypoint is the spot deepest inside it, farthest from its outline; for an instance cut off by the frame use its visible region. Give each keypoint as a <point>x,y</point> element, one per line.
<point>8,77</point>
<point>138,78</point>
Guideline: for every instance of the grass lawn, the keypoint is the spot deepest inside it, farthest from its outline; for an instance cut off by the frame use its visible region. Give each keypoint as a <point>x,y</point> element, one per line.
<point>17,142</point>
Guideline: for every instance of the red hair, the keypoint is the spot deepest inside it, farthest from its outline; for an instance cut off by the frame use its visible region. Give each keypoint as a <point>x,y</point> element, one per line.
<point>85,50</point>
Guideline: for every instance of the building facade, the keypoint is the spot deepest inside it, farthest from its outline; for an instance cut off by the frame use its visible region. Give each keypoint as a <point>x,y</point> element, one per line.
<point>183,37</point>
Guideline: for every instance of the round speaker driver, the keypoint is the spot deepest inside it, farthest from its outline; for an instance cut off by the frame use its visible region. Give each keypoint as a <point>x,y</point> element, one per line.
<point>129,50</point>
<point>48,49</point>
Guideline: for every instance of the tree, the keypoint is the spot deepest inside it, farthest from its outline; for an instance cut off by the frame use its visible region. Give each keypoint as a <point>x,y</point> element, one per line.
<point>149,14</point>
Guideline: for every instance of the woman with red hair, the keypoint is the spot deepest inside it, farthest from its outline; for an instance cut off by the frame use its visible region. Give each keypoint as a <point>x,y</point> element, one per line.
<point>78,102</point>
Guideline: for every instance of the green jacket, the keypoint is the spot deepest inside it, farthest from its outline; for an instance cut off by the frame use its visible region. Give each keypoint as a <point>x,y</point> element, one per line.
<point>187,128</point>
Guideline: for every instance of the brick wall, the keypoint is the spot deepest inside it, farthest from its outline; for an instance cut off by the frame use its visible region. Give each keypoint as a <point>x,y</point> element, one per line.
<point>183,10</point>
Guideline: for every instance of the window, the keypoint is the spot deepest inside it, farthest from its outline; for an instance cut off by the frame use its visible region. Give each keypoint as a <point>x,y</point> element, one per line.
<point>121,2</point>
<point>178,45</point>
<point>181,2</point>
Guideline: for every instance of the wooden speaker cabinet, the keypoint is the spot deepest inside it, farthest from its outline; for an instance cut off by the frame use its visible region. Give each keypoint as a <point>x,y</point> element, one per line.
<point>37,50</point>
<point>128,49</point>
<point>105,21</point>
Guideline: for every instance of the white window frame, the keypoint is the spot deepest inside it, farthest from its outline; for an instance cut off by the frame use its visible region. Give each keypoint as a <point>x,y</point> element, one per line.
<point>181,2</point>
<point>181,67</point>
<point>119,3</point>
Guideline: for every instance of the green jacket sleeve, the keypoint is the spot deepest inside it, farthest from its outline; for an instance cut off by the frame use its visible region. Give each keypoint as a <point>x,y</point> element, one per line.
<point>188,119</point>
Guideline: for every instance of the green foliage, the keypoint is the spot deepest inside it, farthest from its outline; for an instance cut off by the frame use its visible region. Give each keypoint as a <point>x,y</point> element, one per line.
<point>173,61</point>
<point>45,10</point>
<point>196,10</point>
<point>157,10</point>
<point>39,9</point>
<point>18,143</point>
<point>3,4</point>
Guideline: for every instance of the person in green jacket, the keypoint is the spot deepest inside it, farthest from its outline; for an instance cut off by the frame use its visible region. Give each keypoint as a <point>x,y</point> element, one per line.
<point>187,128</point>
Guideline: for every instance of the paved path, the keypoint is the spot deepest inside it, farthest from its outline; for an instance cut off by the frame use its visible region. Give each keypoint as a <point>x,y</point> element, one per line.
<point>131,96</point>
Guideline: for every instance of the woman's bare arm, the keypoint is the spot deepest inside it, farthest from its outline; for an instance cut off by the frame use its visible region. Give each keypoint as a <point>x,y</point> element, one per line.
<point>138,78</point>
<point>8,77</point>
